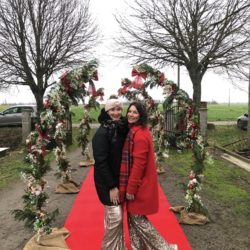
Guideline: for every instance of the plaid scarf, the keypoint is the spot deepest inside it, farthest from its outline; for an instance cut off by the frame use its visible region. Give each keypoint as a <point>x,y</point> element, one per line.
<point>126,163</point>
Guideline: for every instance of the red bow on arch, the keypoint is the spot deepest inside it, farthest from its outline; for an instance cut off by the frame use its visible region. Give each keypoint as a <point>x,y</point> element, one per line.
<point>67,84</point>
<point>142,74</point>
<point>92,89</point>
<point>161,78</point>
<point>139,77</point>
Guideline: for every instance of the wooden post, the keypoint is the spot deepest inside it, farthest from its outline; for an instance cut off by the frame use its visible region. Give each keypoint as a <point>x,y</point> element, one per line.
<point>26,124</point>
<point>203,120</point>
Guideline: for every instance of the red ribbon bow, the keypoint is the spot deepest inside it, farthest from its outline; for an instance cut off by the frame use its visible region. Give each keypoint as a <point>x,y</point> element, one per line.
<point>138,80</point>
<point>92,89</point>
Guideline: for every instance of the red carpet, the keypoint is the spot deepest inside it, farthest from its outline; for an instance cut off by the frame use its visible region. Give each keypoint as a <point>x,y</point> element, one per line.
<point>85,221</point>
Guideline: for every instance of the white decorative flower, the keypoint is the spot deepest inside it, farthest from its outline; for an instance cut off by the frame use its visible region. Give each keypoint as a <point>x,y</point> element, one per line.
<point>167,90</point>
<point>59,125</point>
<point>165,155</point>
<point>37,192</point>
<point>194,181</point>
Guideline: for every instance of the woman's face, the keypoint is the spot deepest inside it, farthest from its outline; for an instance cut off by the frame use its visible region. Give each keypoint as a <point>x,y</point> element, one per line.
<point>115,113</point>
<point>133,115</point>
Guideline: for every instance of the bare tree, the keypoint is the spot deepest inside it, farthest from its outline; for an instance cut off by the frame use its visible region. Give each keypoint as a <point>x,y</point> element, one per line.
<point>248,126</point>
<point>196,34</point>
<point>41,37</point>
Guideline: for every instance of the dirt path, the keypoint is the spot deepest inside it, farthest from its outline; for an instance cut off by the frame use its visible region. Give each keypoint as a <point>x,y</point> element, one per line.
<point>223,233</point>
<point>224,123</point>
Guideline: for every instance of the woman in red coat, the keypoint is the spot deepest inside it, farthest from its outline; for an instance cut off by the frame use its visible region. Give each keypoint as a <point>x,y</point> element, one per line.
<point>139,182</point>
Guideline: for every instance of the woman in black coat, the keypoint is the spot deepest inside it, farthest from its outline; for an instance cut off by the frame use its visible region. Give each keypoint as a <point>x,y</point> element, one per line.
<point>107,149</point>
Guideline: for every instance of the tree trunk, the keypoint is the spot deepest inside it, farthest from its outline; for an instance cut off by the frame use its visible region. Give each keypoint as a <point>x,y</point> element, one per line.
<point>248,126</point>
<point>39,101</point>
<point>196,81</point>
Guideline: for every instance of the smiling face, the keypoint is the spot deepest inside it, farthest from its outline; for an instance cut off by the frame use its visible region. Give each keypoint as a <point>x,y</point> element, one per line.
<point>133,115</point>
<point>115,113</point>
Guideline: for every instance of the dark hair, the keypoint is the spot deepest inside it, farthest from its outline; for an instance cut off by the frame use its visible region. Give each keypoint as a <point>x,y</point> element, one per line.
<point>141,108</point>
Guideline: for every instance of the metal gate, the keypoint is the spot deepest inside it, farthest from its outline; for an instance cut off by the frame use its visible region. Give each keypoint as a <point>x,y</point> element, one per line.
<point>174,127</point>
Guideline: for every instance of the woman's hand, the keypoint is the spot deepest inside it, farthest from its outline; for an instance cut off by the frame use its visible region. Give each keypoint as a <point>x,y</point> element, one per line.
<point>114,196</point>
<point>130,197</point>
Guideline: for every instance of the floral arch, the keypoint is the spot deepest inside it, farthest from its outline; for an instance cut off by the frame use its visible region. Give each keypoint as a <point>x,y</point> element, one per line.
<point>77,85</point>
<point>73,86</point>
<point>187,123</point>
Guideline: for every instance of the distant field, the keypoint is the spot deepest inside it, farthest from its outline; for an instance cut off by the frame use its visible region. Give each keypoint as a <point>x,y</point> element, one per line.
<point>224,112</point>
<point>3,106</point>
<point>216,112</point>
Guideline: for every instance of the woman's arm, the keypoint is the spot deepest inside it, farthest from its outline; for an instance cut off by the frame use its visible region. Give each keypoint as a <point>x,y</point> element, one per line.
<point>101,152</point>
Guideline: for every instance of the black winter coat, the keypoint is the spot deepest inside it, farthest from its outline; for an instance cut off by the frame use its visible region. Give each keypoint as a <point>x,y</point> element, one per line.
<point>107,146</point>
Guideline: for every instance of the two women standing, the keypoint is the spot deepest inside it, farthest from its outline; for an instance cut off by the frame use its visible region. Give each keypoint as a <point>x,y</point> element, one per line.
<point>138,185</point>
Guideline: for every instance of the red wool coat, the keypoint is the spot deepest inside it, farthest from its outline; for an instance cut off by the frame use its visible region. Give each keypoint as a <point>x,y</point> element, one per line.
<point>143,180</point>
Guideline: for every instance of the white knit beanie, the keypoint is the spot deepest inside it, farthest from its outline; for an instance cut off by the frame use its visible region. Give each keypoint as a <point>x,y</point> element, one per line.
<point>111,103</point>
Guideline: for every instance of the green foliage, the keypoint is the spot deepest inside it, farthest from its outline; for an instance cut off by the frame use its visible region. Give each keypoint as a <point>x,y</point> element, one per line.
<point>83,139</point>
<point>31,200</point>
<point>38,171</point>
<point>63,165</point>
<point>199,157</point>
<point>26,215</point>
<point>167,102</point>
<point>30,218</point>
<point>53,121</point>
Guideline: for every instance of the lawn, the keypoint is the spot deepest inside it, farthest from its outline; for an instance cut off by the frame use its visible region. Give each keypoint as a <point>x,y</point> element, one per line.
<point>216,112</point>
<point>11,164</point>
<point>229,137</point>
<point>225,112</point>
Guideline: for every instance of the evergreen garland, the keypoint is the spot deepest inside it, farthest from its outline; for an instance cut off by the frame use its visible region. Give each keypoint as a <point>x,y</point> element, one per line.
<point>51,124</point>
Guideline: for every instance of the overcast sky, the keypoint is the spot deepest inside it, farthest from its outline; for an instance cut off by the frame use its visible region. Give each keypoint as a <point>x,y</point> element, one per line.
<point>111,71</point>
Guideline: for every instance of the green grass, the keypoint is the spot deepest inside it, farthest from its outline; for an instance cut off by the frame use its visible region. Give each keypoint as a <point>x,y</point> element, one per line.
<point>223,112</point>
<point>4,106</point>
<point>216,112</point>
<point>78,113</point>
<point>12,164</point>
<point>10,168</point>
<point>225,135</point>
